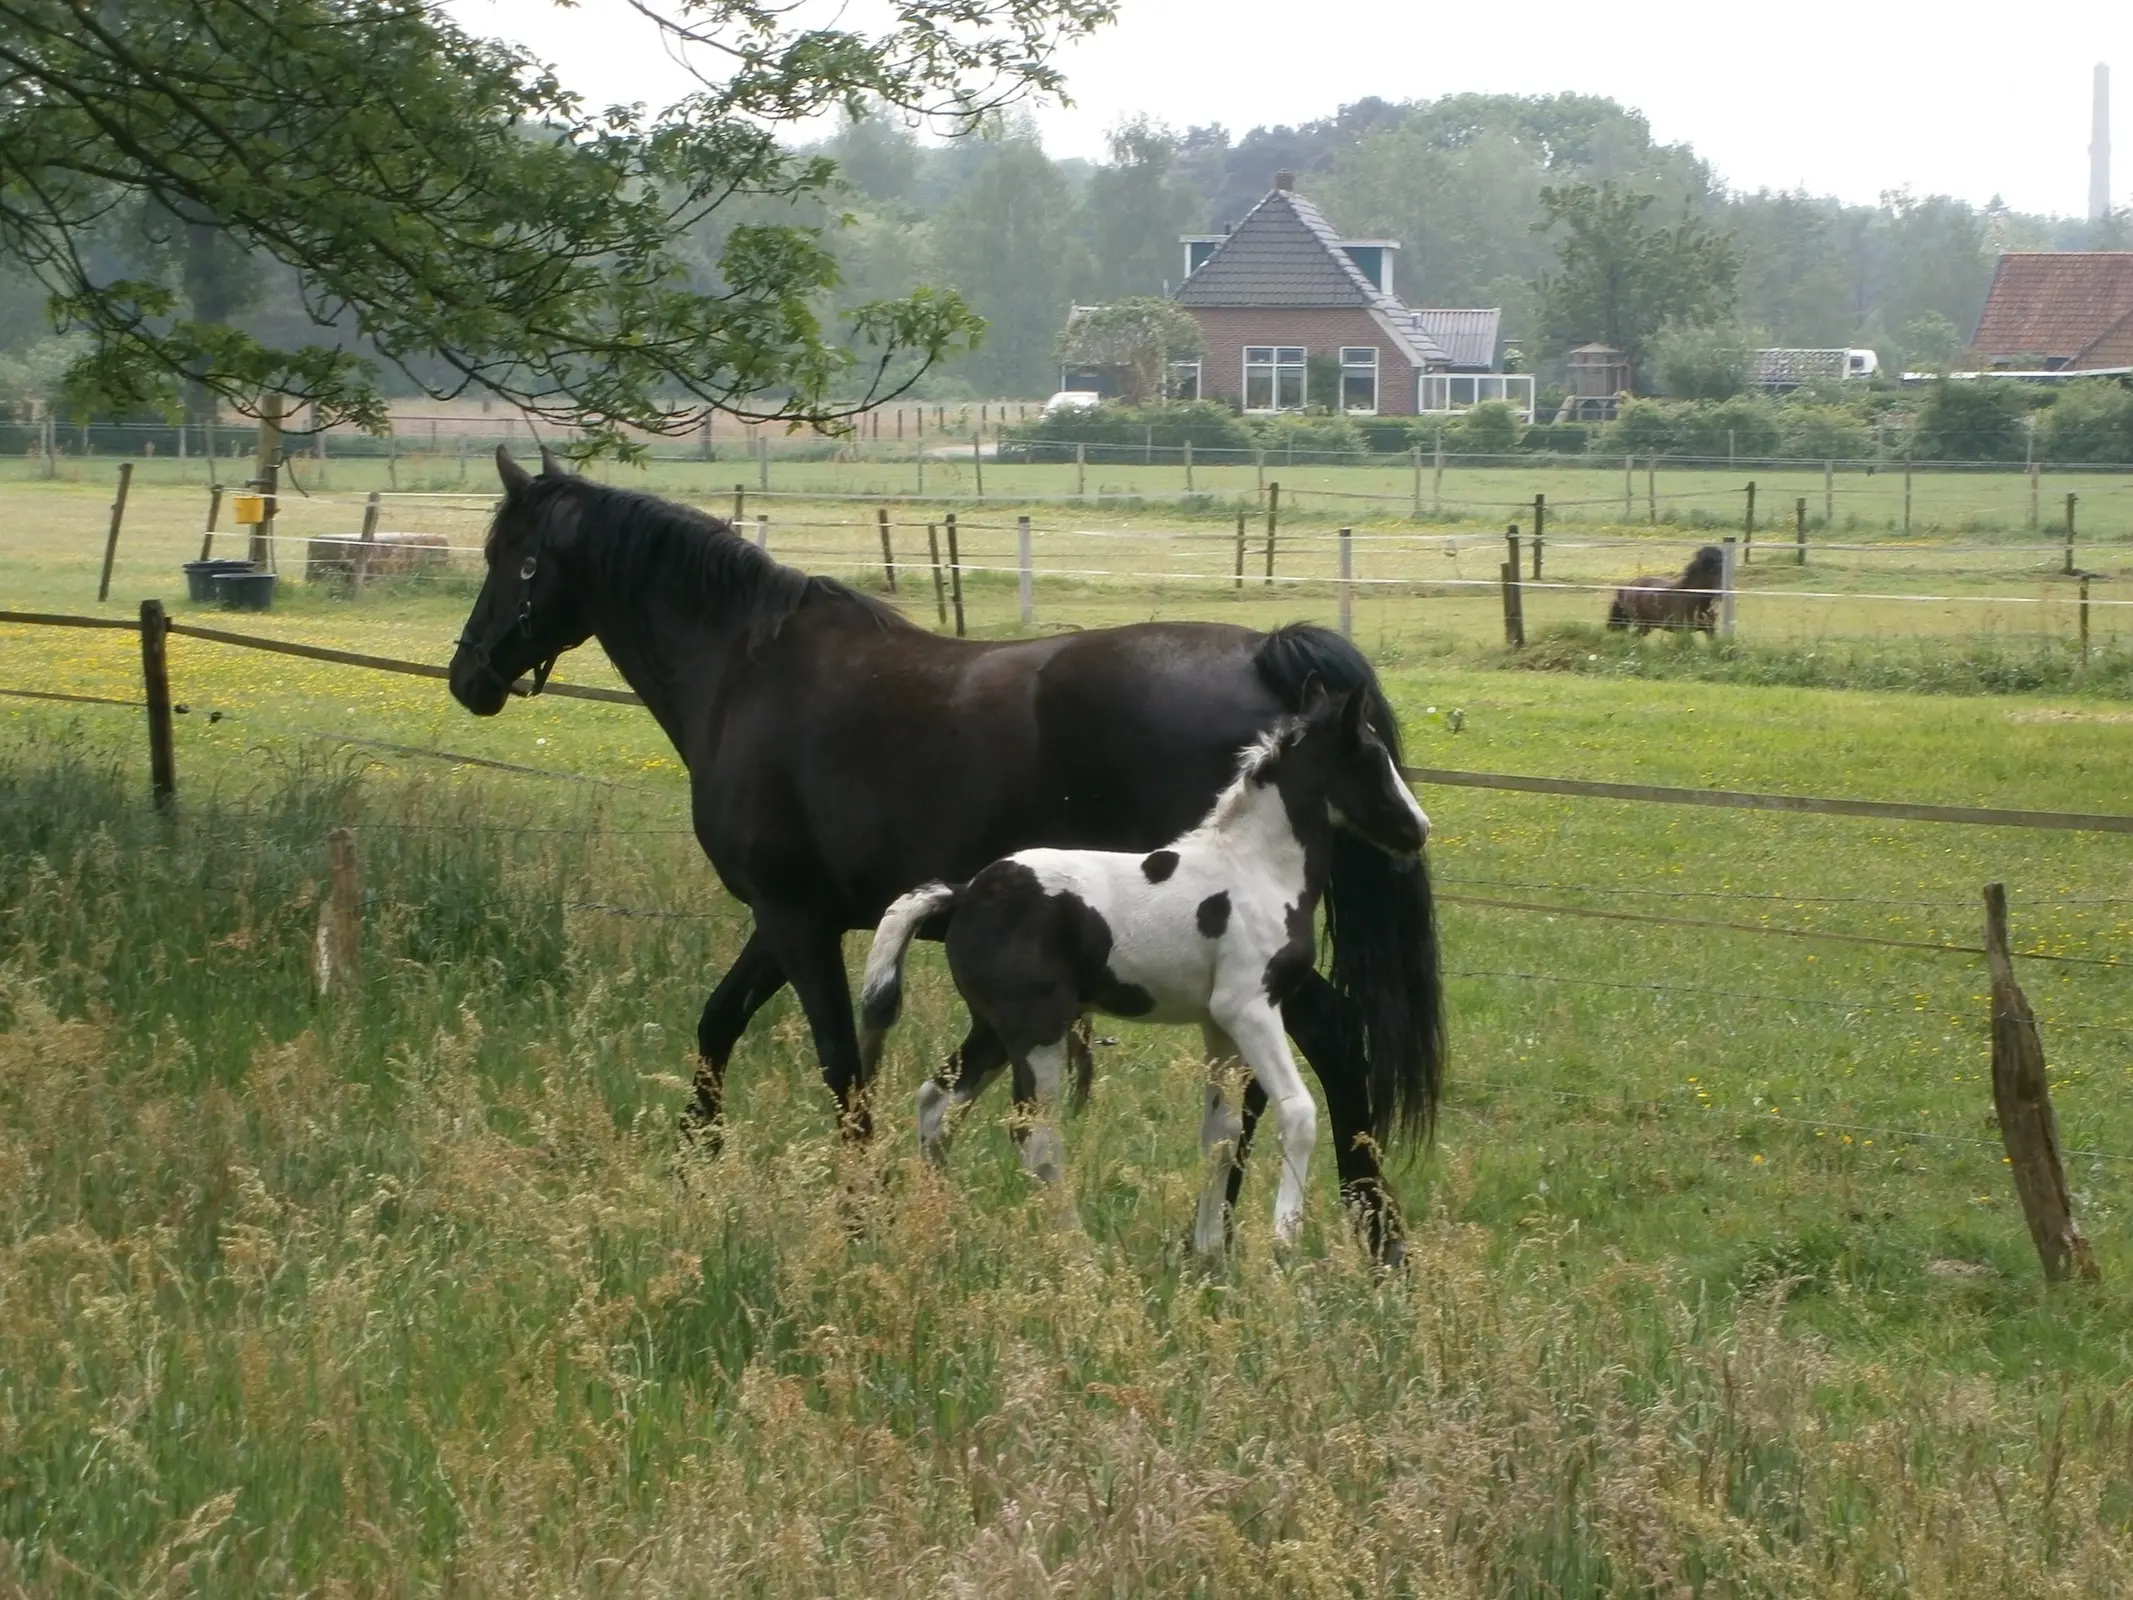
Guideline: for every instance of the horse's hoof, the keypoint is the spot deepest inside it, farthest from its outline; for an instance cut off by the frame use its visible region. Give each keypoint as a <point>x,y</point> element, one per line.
<point>701,1133</point>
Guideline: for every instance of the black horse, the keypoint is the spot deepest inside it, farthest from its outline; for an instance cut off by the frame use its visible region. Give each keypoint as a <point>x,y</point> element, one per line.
<point>840,756</point>
<point>1689,601</point>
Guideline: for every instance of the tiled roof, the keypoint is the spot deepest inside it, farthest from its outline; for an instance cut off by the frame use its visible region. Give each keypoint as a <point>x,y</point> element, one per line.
<point>1282,254</point>
<point>2053,305</point>
<point>1467,338</point>
<point>1285,254</point>
<point>1780,369</point>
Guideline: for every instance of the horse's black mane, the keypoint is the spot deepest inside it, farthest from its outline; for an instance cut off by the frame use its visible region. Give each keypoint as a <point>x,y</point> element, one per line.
<point>638,543</point>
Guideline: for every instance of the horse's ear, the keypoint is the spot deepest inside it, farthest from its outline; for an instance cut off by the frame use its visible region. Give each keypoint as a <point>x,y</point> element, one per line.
<point>550,466</point>
<point>1355,715</point>
<point>1314,698</point>
<point>507,468</point>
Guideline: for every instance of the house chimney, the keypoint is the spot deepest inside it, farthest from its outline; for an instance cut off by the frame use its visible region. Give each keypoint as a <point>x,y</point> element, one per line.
<point>1285,180</point>
<point>2100,148</point>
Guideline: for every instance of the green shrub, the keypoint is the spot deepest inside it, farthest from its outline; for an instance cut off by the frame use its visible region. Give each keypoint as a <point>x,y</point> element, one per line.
<point>1702,363</point>
<point>1977,420</point>
<point>1208,424</point>
<point>2091,420</point>
<point>1557,438</point>
<point>1295,434</point>
<point>1823,432</point>
<point>1387,436</point>
<point>1489,429</point>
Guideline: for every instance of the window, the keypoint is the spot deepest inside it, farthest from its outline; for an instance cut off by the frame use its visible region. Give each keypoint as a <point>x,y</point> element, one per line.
<point>1359,378</point>
<point>1456,391</point>
<point>1273,377</point>
<point>1183,382</point>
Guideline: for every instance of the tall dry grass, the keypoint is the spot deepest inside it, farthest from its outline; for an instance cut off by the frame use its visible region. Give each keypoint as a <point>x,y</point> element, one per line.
<point>408,1294</point>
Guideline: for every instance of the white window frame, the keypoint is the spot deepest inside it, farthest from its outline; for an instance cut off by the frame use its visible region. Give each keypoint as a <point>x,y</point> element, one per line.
<point>1357,359</point>
<point>1276,363</point>
<point>1448,393</point>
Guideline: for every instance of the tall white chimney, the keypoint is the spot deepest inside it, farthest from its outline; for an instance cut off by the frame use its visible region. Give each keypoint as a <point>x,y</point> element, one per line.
<point>2100,148</point>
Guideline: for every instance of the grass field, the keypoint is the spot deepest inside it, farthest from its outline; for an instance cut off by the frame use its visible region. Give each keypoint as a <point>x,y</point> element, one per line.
<point>1719,1286</point>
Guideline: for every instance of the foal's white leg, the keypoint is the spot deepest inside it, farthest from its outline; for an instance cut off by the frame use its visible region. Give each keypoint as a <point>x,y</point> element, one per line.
<point>1256,1026</point>
<point>1221,1126</point>
<point>1043,1149</point>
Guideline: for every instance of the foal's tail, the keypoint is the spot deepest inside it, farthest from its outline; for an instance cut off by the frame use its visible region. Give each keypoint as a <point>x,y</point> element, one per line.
<point>1618,614</point>
<point>881,992</point>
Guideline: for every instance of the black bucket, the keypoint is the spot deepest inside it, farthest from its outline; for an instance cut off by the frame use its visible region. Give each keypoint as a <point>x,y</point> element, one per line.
<point>200,577</point>
<point>245,591</point>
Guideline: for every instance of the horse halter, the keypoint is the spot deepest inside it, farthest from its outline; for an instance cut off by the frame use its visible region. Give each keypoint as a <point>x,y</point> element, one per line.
<point>523,626</point>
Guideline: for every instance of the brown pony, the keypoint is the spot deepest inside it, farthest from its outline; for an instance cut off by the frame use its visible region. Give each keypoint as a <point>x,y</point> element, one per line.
<point>1689,601</point>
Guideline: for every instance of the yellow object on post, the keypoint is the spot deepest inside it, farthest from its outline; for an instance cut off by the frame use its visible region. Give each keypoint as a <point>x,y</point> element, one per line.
<point>248,509</point>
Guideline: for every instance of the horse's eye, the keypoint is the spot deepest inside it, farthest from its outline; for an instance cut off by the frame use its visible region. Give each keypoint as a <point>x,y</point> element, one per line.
<point>525,569</point>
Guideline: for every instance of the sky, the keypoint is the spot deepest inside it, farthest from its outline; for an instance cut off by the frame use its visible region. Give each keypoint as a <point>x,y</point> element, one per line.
<point>1850,99</point>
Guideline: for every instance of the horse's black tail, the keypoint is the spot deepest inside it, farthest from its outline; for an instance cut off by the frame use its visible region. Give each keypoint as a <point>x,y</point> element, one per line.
<point>1618,614</point>
<point>881,992</point>
<point>1380,918</point>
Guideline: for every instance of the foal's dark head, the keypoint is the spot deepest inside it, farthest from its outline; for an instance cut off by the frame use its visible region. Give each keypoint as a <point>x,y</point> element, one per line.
<point>527,613</point>
<point>1706,569</point>
<point>1330,757</point>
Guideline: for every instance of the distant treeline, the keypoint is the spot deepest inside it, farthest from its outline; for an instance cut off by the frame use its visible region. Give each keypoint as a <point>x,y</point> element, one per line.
<point>1456,181</point>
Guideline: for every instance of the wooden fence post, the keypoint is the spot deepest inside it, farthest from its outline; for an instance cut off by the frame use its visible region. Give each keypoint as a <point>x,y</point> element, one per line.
<point>740,505</point>
<point>1747,547</point>
<point>2085,618</point>
<point>888,550</point>
<point>1188,466</point>
<point>1726,581</point>
<point>1829,494</point>
<point>1651,488</point>
<point>762,532</point>
<point>214,510</point>
<point>1629,488</point>
<point>955,575</point>
<point>1414,457</point>
<point>1906,488</point>
<point>1081,471</point>
<point>762,457</point>
<point>1347,584</point>
<point>118,515</point>
<point>1240,550</point>
<point>1259,466</point>
<point>1799,531</point>
<point>1540,531</point>
<point>2069,535</point>
<point>1273,509</point>
<point>940,583</point>
<point>2021,1095</point>
<point>1514,606</point>
<point>155,684</point>
<point>368,543</point>
<point>337,954</point>
<point>266,478</point>
<point>977,461</point>
<point>1025,600</point>
<point>2035,488</point>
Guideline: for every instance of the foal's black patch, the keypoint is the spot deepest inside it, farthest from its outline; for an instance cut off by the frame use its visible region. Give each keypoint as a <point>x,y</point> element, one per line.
<point>1214,915</point>
<point>1161,865</point>
<point>1289,965</point>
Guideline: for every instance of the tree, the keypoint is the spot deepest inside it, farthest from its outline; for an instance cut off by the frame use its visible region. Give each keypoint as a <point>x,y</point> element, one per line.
<point>1971,421</point>
<point>1618,279</point>
<point>449,201</point>
<point>2091,420</point>
<point>1140,336</point>
<point>1010,240</point>
<point>1136,207</point>
<point>1702,363</point>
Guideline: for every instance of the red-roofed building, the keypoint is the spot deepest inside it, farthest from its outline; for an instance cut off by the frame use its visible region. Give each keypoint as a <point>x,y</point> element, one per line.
<point>2068,311</point>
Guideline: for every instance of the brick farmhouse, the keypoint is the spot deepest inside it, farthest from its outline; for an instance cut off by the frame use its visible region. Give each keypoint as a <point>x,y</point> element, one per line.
<point>1283,301</point>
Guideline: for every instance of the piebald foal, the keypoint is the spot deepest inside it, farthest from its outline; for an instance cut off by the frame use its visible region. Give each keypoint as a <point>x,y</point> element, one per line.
<point>1216,929</point>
